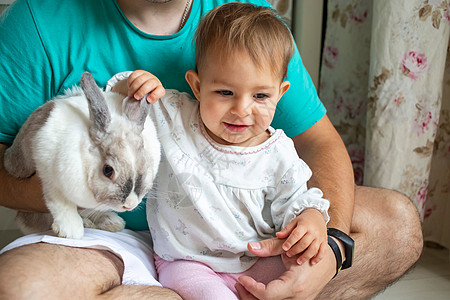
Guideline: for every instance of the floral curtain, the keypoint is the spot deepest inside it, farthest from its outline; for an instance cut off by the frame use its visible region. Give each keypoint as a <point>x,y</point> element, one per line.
<point>385,80</point>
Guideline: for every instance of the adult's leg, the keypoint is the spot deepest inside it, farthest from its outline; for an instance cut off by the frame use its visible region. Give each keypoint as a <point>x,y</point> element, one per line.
<point>47,271</point>
<point>388,241</point>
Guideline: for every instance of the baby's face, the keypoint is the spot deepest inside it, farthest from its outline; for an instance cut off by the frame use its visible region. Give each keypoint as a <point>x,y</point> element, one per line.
<point>238,99</point>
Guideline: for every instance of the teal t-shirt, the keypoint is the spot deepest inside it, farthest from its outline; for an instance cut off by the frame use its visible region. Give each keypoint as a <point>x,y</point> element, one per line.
<point>46,45</point>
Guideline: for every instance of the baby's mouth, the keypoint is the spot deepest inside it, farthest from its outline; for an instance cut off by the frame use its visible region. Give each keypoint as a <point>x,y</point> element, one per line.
<point>236,127</point>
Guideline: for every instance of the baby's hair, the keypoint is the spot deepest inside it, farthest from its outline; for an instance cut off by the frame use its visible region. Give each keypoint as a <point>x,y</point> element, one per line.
<point>257,30</point>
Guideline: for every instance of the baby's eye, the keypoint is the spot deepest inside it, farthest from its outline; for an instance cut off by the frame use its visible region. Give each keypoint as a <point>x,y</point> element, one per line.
<point>261,96</point>
<point>225,92</point>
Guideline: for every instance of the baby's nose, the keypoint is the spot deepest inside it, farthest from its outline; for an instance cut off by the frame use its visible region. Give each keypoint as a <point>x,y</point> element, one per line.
<point>241,107</point>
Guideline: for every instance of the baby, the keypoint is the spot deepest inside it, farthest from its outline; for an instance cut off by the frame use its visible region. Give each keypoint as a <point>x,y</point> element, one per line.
<point>227,178</point>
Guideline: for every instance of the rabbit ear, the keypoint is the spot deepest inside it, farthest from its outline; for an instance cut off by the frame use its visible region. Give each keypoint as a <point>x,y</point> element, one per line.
<point>98,109</point>
<point>136,110</point>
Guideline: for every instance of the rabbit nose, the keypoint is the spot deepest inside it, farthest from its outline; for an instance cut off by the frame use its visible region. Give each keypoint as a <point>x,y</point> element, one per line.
<point>131,201</point>
<point>128,206</point>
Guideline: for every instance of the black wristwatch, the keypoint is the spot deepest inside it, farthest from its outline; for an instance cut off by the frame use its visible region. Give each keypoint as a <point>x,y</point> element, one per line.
<point>349,246</point>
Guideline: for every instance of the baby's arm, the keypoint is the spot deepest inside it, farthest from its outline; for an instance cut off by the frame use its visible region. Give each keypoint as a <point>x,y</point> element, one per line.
<point>306,235</point>
<point>140,83</point>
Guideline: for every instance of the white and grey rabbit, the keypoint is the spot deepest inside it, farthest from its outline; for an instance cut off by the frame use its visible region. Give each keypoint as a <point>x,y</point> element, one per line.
<point>92,150</point>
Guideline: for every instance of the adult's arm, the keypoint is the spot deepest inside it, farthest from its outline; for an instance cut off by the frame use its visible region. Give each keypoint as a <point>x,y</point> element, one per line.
<point>21,194</point>
<point>323,150</point>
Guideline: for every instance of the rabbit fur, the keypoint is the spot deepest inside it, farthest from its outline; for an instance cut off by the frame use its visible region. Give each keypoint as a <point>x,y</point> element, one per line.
<point>92,150</point>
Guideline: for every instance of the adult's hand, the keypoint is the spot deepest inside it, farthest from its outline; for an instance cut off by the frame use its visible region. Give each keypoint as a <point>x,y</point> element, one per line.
<point>298,282</point>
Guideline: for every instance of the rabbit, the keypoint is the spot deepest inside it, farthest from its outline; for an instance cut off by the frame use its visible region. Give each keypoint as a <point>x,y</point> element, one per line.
<point>94,152</point>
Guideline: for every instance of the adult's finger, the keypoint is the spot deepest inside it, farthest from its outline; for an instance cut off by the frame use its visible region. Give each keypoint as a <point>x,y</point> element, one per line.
<point>276,289</point>
<point>243,293</point>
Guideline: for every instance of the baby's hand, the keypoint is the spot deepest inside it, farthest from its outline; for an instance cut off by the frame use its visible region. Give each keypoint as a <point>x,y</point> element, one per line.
<point>306,235</point>
<point>141,83</point>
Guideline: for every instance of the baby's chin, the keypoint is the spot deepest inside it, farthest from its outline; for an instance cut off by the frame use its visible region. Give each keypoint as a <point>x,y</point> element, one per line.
<point>243,140</point>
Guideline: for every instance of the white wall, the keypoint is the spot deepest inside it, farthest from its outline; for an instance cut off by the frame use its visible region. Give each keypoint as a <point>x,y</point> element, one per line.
<point>4,4</point>
<point>307,30</point>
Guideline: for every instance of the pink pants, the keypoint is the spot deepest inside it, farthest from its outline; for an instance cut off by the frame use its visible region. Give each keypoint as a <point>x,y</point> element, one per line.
<point>194,280</point>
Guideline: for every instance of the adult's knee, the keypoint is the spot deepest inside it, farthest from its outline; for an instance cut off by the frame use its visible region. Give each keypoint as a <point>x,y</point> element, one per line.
<point>16,280</point>
<point>406,226</point>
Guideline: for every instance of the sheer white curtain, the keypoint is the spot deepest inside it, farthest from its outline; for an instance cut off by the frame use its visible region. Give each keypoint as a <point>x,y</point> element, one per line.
<point>385,80</point>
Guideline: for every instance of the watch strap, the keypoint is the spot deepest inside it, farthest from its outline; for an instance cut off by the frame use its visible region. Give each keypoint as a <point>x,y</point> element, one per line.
<point>337,253</point>
<point>349,245</point>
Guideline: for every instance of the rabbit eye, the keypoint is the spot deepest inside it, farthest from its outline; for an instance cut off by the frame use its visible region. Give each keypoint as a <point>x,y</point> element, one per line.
<point>108,171</point>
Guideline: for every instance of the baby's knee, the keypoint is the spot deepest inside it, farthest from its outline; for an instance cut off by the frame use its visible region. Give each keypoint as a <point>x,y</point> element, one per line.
<point>193,280</point>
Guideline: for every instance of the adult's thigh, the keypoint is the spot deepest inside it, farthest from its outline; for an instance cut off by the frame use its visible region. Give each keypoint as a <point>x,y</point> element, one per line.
<point>47,271</point>
<point>388,240</point>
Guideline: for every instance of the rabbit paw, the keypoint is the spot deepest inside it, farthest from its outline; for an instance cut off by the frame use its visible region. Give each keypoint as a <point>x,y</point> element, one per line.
<point>72,229</point>
<point>88,223</point>
<point>108,221</point>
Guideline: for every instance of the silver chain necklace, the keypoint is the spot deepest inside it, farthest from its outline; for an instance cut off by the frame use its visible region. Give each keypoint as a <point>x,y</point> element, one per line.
<point>186,10</point>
